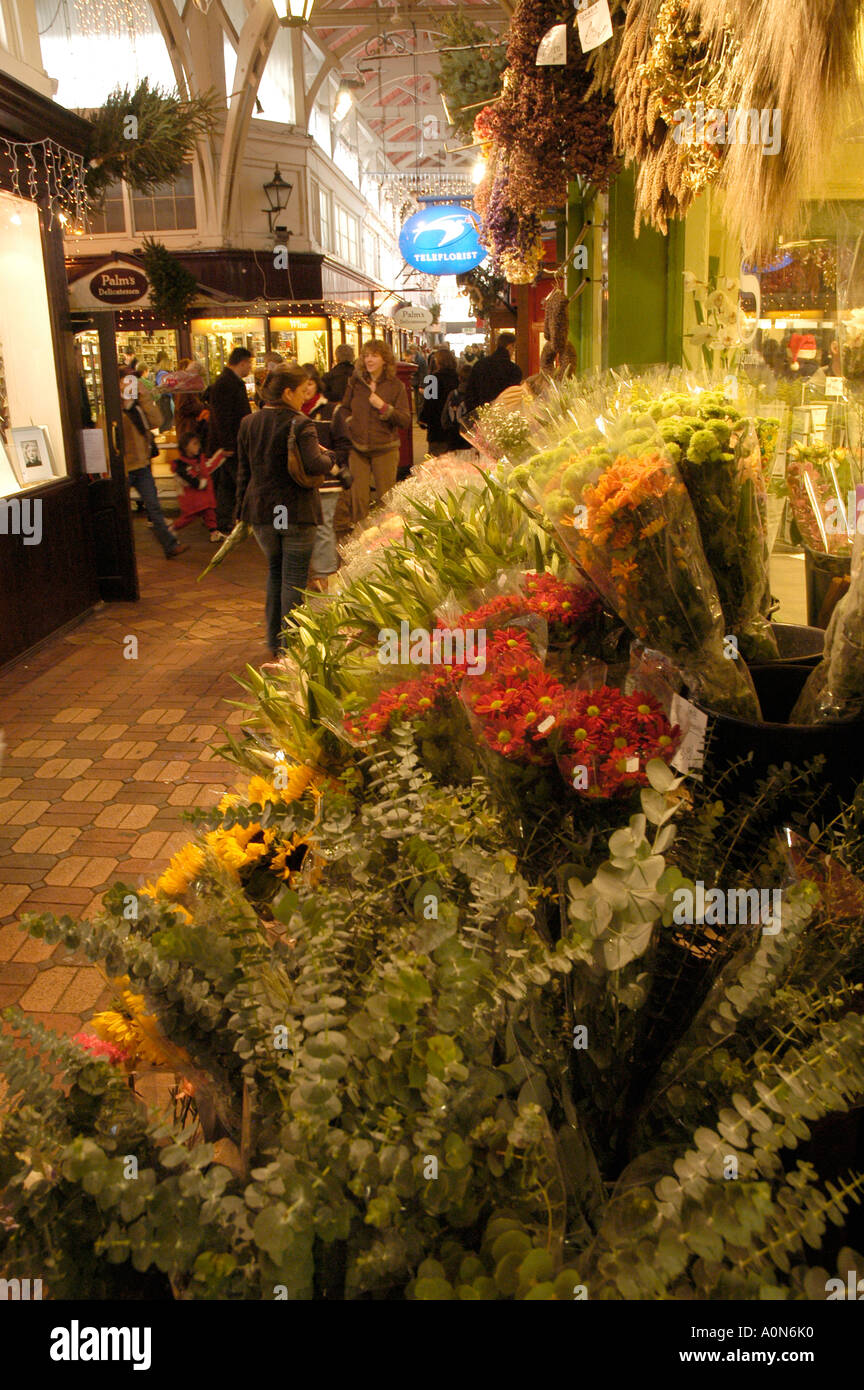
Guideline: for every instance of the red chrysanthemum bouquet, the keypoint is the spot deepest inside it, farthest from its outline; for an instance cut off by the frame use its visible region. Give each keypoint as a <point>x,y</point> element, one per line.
<point>606,739</point>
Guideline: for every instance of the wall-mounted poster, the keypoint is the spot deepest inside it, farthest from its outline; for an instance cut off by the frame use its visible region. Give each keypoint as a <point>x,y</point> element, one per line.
<point>33,459</point>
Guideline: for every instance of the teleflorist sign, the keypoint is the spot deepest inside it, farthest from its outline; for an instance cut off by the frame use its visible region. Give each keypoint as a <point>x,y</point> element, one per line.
<point>442,239</point>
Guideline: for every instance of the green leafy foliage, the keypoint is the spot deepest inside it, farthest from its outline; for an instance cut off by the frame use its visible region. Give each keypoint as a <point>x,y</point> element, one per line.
<point>144,137</point>
<point>470,75</point>
<point>172,287</point>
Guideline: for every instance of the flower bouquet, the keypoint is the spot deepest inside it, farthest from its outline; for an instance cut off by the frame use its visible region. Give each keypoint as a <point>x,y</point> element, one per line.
<point>767,429</point>
<point>497,432</point>
<point>241,532</point>
<point>835,689</point>
<point>572,611</point>
<point>423,700</point>
<point>606,739</point>
<point>818,483</point>
<point>717,452</point>
<point>638,540</point>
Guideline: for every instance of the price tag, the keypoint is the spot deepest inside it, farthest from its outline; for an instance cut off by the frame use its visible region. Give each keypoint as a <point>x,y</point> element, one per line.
<point>833,386</point>
<point>692,723</point>
<point>552,49</point>
<point>730,387</point>
<point>595,25</point>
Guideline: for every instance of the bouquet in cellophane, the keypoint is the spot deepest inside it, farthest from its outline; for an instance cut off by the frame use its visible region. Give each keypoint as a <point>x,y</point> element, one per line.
<point>622,510</point>
<point>717,451</point>
<point>835,689</point>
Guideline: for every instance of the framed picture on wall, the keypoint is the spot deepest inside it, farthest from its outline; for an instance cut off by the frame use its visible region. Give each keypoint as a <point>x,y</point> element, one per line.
<point>9,483</point>
<point>32,459</point>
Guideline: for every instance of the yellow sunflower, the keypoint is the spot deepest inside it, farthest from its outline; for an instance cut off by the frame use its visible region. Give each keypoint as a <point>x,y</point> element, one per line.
<point>183,869</point>
<point>294,857</point>
<point>132,1028</point>
<point>290,782</point>
<point>234,849</point>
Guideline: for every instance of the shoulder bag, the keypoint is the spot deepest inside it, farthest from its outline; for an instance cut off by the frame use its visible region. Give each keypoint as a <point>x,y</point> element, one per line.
<point>296,470</point>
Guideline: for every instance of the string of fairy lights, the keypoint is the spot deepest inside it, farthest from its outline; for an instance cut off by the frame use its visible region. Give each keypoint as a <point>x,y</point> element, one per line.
<point>117,18</point>
<point>40,170</point>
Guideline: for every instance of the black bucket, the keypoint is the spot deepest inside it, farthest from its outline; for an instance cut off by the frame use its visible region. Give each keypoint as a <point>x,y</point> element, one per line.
<point>827,579</point>
<point>797,645</point>
<point>775,741</point>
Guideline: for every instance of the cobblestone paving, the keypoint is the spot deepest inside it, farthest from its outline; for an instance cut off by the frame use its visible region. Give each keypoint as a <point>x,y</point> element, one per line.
<point>103,754</point>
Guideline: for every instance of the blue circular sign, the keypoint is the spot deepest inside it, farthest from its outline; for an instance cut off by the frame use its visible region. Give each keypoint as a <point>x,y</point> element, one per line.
<point>443,240</point>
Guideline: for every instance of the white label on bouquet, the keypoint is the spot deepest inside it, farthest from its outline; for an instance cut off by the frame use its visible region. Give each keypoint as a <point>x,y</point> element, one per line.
<point>730,388</point>
<point>692,723</point>
<point>552,48</point>
<point>833,386</point>
<point>595,25</point>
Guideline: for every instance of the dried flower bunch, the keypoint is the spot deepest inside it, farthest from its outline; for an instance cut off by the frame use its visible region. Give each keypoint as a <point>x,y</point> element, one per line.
<point>512,234</point>
<point>667,65</point>
<point>547,110</point>
<point>756,56</point>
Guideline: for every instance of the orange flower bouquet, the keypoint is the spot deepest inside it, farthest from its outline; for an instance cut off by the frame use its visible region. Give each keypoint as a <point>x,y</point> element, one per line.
<point>631,527</point>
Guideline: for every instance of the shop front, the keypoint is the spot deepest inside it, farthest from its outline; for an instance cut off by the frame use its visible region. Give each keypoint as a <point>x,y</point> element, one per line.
<point>303,339</point>
<point>51,565</point>
<point>214,339</point>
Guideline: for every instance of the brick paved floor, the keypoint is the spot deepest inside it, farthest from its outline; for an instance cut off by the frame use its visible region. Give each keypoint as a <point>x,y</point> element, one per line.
<point>103,753</point>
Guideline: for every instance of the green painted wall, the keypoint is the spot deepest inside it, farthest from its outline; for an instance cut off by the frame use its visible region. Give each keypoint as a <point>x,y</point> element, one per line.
<point>646,285</point>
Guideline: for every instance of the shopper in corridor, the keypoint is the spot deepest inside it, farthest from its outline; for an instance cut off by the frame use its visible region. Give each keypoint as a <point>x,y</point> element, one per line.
<point>140,417</point>
<point>229,405</point>
<point>378,407</point>
<point>283,515</point>
<point>493,374</point>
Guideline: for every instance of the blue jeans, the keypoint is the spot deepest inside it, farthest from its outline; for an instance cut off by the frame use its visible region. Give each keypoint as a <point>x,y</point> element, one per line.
<point>325,556</point>
<point>143,482</point>
<point>288,552</point>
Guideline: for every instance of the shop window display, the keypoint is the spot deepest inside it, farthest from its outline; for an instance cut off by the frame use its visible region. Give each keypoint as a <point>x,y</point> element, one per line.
<point>149,348</point>
<point>213,340</point>
<point>31,434</point>
<point>352,336</point>
<point>304,339</point>
<point>90,369</point>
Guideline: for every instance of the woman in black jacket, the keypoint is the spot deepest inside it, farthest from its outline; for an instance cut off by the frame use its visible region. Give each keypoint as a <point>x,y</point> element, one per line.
<point>283,515</point>
<point>435,391</point>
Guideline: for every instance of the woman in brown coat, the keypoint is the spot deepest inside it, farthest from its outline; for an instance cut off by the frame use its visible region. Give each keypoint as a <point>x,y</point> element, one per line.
<point>377,403</point>
<point>140,417</point>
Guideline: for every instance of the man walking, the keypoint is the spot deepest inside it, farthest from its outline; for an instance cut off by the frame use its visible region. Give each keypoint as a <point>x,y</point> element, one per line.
<point>336,380</point>
<point>493,374</point>
<point>229,404</point>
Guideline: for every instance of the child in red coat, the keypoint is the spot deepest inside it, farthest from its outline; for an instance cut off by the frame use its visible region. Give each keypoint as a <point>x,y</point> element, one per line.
<point>198,497</point>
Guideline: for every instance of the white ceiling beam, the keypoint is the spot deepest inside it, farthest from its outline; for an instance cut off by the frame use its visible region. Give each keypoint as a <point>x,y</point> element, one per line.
<point>256,42</point>
<point>427,19</point>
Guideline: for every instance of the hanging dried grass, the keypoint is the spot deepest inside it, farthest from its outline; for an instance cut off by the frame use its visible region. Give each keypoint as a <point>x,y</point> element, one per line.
<point>798,57</point>
<point>664,66</point>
